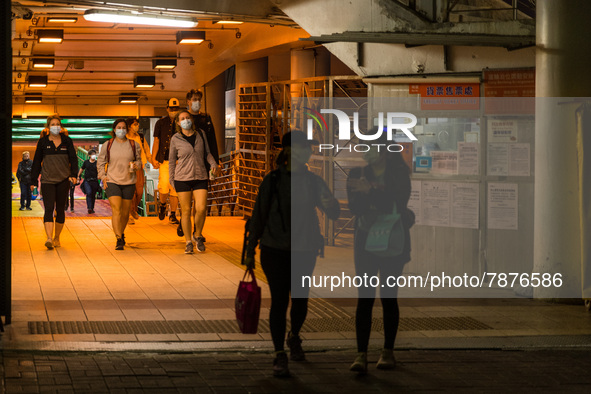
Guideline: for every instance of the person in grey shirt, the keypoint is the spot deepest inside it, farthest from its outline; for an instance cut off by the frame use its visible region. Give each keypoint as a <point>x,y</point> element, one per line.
<point>189,152</point>
<point>118,161</point>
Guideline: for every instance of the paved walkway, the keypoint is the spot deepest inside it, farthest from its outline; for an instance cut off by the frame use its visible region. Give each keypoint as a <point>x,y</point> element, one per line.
<point>87,319</point>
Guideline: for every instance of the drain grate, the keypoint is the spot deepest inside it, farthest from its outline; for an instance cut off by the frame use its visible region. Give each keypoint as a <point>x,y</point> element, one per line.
<point>230,326</point>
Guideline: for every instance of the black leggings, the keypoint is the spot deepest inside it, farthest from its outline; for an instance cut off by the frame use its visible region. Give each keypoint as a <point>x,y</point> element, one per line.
<point>277,267</point>
<point>54,198</point>
<point>367,263</point>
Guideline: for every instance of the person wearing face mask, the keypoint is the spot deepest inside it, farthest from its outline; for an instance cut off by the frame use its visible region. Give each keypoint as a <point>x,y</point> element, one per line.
<point>133,128</point>
<point>288,240</point>
<point>117,164</point>
<point>163,132</point>
<point>55,160</point>
<point>188,153</point>
<point>372,192</point>
<point>90,184</point>
<point>202,121</point>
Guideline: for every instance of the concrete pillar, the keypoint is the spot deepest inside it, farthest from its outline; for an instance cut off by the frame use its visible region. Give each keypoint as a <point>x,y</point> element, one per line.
<point>251,72</point>
<point>563,61</point>
<point>215,105</point>
<point>307,63</point>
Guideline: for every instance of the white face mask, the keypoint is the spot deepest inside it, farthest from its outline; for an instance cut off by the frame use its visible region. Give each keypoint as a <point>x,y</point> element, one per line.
<point>186,124</point>
<point>93,157</point>
<point>120,133</point>
<point>195,106</point>
<point>55,130</point>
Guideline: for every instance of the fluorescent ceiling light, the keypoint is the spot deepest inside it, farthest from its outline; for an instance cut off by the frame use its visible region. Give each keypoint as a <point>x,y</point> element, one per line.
<point>144,82</point>
<point>228,22</point>
<point>33,98</point>
<point>37,81</point>
<point>46,35</point>
<point>190,37</point>
<point>61,19</point>
<point>128,98</point>
<point>140,19</point>
<point>167,64</point>
<point>43,63</point>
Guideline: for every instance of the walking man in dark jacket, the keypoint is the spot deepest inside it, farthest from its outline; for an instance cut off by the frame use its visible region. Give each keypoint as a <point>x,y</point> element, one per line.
<point>23,174</point>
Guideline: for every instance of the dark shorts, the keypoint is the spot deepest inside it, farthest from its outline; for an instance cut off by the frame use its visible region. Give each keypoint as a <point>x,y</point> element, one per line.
<point>126,192</point>
<point>189,186</point>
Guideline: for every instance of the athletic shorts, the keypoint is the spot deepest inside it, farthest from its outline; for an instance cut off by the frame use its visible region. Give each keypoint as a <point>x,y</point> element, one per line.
<point>164,186</point>
<point>189,186</point>
<point>126,192</point>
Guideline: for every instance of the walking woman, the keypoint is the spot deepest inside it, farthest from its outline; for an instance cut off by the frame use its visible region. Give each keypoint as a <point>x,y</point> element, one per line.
<point>187,173</point>
<point>118,161</point>
<point>289,243</point>
<point>133,127</point>
<point>373,190</point>
<point>55,159</point>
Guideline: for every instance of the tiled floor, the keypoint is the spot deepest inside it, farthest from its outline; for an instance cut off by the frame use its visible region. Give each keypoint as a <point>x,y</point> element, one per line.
<point>86,279</point>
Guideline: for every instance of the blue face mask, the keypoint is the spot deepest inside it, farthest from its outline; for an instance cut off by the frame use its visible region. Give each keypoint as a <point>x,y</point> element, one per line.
<point>186,124</point>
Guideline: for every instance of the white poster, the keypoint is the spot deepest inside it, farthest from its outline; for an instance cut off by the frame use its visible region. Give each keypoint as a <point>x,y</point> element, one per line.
<point>497,159</point>
<point>519,160</point>
<point>468,158</point>
<point>500,130</point>
<point>502,206</point>
<point>435,203</point>
<point>464,205</point>
<point>414,203</point>
<point>444,162</point>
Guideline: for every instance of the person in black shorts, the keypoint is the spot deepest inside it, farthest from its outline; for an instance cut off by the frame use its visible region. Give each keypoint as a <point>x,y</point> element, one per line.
<point>124,158</point>
<point>189,152</point>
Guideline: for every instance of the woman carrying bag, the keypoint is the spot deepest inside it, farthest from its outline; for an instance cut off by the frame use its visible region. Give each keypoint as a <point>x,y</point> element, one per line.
<point>272,223</point>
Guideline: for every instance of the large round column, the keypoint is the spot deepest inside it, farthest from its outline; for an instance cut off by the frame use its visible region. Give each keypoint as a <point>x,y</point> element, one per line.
<point>563,61</point>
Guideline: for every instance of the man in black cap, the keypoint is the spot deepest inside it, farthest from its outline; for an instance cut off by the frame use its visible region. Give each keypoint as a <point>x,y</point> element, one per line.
<point>163,131</point>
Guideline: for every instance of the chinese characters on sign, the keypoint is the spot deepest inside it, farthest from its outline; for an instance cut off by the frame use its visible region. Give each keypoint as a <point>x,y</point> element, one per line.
<point>451,96</point>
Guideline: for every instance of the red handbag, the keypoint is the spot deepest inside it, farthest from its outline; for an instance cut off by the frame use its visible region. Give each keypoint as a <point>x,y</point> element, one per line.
<point>248,304</point>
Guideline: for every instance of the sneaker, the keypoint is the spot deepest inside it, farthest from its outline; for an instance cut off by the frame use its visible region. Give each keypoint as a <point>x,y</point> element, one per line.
<point>131,220</point>
<point>49,244</point>
<point>294,342</point>
<point>189,248</point>
<point>179,230</point>
<point>71,209</point>
<point>29,208</point>
<point>56,243</point>
<point>199,243</point>
<point>90,211</point>
<point>123,238</point>
<point>162,211</point>
<point>360,363</point>
<point>172,218</point>
<point>387,360</point>
<point>280,369</point>
<point>120,244</point>
<point>21,209</point>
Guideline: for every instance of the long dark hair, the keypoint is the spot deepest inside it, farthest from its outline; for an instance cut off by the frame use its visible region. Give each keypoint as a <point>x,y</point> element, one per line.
<point>115,123</point>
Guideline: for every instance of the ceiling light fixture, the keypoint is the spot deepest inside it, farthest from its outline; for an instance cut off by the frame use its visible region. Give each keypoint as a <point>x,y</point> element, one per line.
<point>228,22</point>
<point>140,19</point>
<point>167,64</point>
<point>61,19</point>
<point>47,35</point>
<point>32,98</point>
<point>43,63</point>
<point>37,81</point>
<point>128,98</point>
<point>144,82</point>
<point>190,37</point>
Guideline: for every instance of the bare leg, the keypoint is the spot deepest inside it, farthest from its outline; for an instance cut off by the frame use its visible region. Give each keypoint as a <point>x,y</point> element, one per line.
<point>124,218</point>
<point>185,200</point>
<point>58,230</point>
<point>200,197</point>
<point>49,230</point>
<point>115,202</point>
<point>174,204</point>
